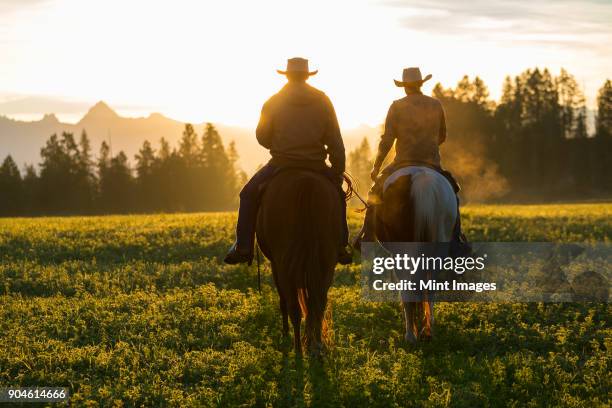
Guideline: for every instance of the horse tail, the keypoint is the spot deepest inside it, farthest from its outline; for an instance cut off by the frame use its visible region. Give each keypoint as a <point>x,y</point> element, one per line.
<point>306,259</point>
<point>429,197</point>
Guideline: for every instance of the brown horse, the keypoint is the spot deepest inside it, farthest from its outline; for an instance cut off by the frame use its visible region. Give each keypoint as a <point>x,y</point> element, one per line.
<point>419,205</point>
<point>299,230</point>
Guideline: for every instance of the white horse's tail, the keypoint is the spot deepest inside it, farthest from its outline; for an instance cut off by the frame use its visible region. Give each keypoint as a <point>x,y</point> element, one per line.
<point>435,207</point>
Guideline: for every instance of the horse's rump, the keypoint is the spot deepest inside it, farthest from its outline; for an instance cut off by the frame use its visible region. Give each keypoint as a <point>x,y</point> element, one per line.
<point>292,196</point>
<point>419,205</point>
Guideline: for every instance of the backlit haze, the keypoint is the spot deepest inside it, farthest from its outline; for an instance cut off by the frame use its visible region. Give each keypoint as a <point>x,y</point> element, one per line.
<point>215,61</point>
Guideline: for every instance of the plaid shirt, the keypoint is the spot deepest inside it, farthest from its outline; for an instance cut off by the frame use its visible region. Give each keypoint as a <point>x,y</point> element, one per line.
<point>418,124</point>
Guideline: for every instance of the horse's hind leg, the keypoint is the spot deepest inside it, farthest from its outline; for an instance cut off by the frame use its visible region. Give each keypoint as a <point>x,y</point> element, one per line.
<point>282,302</point>
<point>411,322</point>
<point>296,319</point>
<point>285,315</point>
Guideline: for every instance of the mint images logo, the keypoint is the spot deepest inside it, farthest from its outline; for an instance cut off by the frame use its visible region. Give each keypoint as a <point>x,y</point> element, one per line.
<point>412,264</point>
<point>521,272</point>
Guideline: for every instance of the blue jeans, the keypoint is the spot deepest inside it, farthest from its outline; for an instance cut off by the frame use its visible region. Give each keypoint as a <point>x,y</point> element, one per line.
<point>249,205</point>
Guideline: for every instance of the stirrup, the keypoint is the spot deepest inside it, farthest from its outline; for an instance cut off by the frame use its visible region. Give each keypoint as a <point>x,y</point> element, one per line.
<point>344,256</point>
<point>356,242</point>
<point>234,256</point>
<point>460,247</point>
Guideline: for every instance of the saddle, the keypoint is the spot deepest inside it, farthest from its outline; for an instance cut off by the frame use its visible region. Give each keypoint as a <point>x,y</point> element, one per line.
<point>326,172</point>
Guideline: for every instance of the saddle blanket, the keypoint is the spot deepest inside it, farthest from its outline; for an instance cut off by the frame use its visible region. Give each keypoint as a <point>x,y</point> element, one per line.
<point>410,171</point>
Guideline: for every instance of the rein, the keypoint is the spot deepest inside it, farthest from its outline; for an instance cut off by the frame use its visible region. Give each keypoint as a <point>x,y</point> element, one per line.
<point>258,267</point>
<point>351,190</point>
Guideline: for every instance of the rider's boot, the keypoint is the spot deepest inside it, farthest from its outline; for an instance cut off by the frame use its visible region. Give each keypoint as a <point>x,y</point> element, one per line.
<point>345,257</point>
<point>242,250</point>
<point>459,245</point>
<point>237,255</point>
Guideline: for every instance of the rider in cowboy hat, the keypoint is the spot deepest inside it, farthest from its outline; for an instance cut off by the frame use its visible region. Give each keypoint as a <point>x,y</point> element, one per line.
<point>299,127</point>
<point>417,125</point>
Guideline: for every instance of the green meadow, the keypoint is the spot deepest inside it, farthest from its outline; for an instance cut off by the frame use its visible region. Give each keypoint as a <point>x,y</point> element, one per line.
<point>140,311</point>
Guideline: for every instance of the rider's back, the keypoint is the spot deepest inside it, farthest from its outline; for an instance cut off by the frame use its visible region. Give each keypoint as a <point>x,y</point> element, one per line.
<point>299,126</point>
<point>417,122</point>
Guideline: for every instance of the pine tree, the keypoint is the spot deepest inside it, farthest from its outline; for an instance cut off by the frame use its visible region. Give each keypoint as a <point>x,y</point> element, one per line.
<point>145,160</point>
<point>217,176</point>
<point>237,175</point>
<point>572,103</point>
<point>480,94</point>
<point>164,149</point>
<point>145,177</point>
<point>85,183</point>
<point>603,122</point>
<point>116,183</point>
<point>188,147</point>
<point>31,183</point>
<point>11,188</point>
<point>59,175</point>
<point>360,164</point>
<point>464,92</point>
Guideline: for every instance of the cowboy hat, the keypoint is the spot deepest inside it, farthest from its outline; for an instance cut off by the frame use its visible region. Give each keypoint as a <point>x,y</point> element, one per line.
<point>412,76</point>
<point>297,65</point>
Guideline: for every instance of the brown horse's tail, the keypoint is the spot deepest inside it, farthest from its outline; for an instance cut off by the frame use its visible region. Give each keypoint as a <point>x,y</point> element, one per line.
<point>308,258</point>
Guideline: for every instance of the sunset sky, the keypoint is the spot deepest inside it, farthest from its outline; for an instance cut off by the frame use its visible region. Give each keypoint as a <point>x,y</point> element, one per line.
<point>215,61</point>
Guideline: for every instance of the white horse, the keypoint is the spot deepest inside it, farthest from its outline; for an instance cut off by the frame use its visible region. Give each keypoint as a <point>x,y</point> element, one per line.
<point>419,205</point>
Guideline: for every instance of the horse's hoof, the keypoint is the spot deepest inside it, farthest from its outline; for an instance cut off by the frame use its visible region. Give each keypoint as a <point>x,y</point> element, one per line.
<point>317,351</point>
<point>410,338</point>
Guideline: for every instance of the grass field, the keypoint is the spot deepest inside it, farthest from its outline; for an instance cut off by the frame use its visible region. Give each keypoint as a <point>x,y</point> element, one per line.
<point>140,311</point>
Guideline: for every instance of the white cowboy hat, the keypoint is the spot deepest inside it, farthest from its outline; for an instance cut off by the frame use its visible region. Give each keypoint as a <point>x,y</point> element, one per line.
<point>411,76</point>
<point>297,65</point>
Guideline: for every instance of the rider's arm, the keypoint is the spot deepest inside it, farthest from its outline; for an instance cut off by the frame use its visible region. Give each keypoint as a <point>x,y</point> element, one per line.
<point>264,127</point>
<point>386,140</point>
<point>442,136</point>
<point>333,140</point>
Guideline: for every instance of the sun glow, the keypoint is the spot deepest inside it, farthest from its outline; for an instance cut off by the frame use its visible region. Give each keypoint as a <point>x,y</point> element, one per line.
<point>216,61</point>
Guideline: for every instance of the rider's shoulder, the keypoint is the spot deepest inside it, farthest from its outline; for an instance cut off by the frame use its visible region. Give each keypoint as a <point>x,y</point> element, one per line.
<point>317,92</point>
<point>397,102</point>
<point>272,99</point>
<point>430,100</point>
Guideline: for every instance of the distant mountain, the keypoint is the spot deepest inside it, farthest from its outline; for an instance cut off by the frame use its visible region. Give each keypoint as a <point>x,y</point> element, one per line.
<point>23,140</point>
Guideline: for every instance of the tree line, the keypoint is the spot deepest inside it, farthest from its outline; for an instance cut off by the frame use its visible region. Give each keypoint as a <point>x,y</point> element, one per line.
<point>533,143</point>
<point>200,175</point>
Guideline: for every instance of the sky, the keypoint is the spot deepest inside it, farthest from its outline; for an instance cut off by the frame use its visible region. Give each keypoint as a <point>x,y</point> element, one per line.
<point>216,60</point>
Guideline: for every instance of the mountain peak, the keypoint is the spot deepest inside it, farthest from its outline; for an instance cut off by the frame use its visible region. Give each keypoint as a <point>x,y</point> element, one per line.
<point>49,118</point>
<point>156,115</point>
<point>100,111</point>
